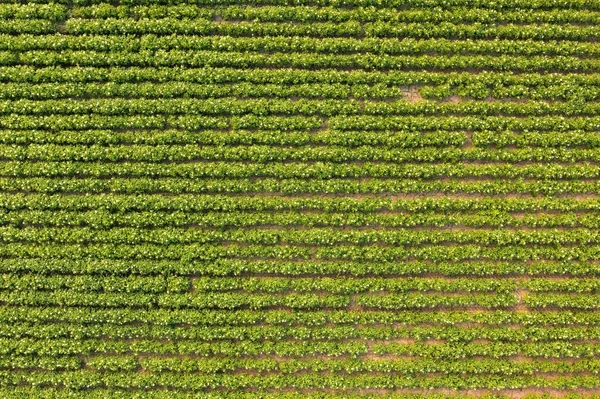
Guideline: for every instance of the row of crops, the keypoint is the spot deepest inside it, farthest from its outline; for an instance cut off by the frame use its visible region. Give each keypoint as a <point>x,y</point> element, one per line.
<point>300,199</point>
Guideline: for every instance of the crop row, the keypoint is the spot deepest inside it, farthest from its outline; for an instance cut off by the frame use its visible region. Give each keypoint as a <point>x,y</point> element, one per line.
<point>257,332</point>
<point>565,92</point>
<point>107,218</point>
<point>316,171</point>
<point>178,89</point>
<point>337,109</point>
<point>172,58</point>
<point>350,347</point>
<point>32,282</point>
<point>175,89</point>
<point>585,301</point>
<point>28,11</point>
<point>394,139</point>
<point>352,29</point>
<point>286,76</point>
<point>273,154</point>
<point>349,28</point>
<point>46,362</point>
<point>374,253</point>
<point>131,363</point>
<point>296,123</point>
<point>297,186</point>
<point>168,90</point>
<point>291,138</point>
<point>373,122</point>
<point>22,26</point>
<point>297,236</point>
<point>87,379</point>
<point>494,350</point>
<point>278,13</point>
<point>275,13</point>
<point>123,284</point>
<point>347,366</point>
<point>358,206</point>
<point>235,300</point>
<point>62,347</point>
<point>253,333</point>
<point>500,5</point>
<point>110,218</point>
<point>534,300</point>
<point>21,291</point>
<point>544,321</point>
<point>353,285</point>
<point>229,267</point>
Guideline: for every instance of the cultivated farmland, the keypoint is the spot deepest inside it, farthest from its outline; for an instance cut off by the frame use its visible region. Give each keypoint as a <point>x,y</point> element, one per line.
<point>300,199</point>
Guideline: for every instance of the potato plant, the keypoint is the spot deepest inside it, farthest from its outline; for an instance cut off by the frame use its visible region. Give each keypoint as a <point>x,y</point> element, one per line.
<point>305,199</point>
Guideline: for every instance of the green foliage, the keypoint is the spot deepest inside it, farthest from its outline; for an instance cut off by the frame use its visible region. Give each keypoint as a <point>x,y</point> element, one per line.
<point>313,199</point>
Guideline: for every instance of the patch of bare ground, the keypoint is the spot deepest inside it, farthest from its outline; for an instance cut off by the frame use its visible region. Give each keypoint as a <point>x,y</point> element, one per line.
<point>415,96</point>
<point>141,370</point>
<point>432,341</point>
<point>516,100</point>
<point>359,100</point>
<point>383,358</point>
<point>521,294</point>
<point>61,27</point>
<point>353,306</point>
<point>411,93</point>
<point>469,140</point>
<point>453,99</point>
<point>192,284</point>
<point>324,125</point>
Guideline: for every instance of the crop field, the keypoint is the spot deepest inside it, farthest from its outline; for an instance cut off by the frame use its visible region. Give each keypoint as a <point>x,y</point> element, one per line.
<point>300,199</point>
